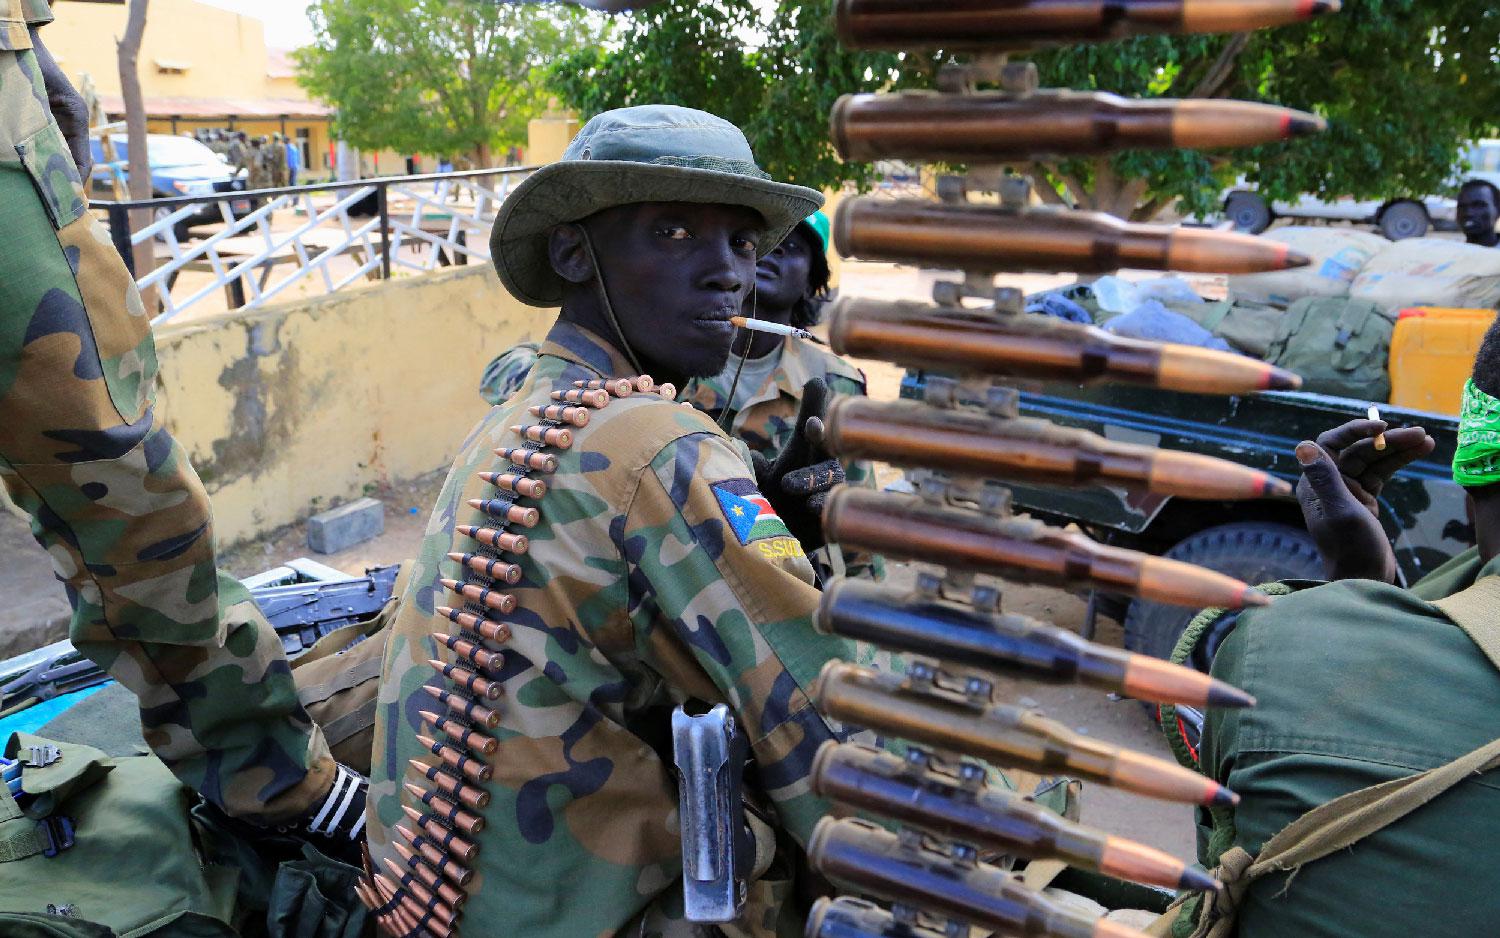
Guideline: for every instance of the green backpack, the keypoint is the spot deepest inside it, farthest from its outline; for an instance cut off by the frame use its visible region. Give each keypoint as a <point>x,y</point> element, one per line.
<point>1339,346</point>
<point>119,848</point>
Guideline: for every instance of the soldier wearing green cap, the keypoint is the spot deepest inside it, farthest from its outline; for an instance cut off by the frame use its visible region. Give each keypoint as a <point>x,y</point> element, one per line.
<point>600,554</point>
<point>1369,772</point>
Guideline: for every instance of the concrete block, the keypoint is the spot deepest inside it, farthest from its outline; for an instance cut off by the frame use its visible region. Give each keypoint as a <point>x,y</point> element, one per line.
<point>341,528</point>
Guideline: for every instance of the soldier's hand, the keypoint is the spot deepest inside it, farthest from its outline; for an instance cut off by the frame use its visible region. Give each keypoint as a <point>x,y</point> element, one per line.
<point>1342,478</point>
<point>68,108</point>
<point>798,483</point>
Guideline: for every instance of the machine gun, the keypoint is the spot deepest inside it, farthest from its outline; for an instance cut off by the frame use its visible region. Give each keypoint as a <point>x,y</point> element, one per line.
<point>301,610</point>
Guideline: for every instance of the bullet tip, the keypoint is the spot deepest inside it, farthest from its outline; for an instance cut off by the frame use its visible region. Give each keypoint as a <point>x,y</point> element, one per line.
<point>1323,7</point>
<point>1196,880</point>
<point>1275,488</point>
<point>1223,797</point>
<point>1254,597</point>
<point>1228,696</point>
<point>1306,126</point>
<point>1295,259</point>
<point>1279,379</point>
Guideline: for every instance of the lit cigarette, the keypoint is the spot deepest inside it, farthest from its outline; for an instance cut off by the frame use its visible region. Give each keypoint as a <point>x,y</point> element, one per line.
<point>760,325</point>
<point>1374,414</point>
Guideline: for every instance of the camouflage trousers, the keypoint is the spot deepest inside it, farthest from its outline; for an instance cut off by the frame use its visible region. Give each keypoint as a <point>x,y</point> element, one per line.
<point>113,499</point>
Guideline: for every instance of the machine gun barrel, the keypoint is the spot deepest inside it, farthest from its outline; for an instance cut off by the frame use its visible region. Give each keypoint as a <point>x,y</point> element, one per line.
<point>969,342</point>
<point>1010,645</point>
<point>1004,735</point>
<point>877,862</point>
<point>989,239</point>
<point>1000,128</point>
<point>1000,25</point>
<point>909,528</point>
<point>1004,822</point>
<point>908,434</point>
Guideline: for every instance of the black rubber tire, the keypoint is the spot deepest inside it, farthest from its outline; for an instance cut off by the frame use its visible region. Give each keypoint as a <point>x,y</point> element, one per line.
<point>1402,220</point>
<point>1253,551</point>
<point>1249,212</point>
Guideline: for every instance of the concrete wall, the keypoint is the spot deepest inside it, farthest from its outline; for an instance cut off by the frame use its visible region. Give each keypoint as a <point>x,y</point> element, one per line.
<point>313,400</point>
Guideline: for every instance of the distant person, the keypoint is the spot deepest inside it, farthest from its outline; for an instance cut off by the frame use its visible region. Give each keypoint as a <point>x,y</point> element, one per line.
<point>238,151</point>
<point>1478,211</point>
<point>275,151</point>
<point>293,161</point>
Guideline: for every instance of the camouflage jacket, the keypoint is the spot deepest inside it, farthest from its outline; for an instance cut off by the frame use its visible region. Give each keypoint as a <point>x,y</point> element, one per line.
<point>504,376</point>
<point>654,574</point>
<point>767,420</point>
<point>16,16</point>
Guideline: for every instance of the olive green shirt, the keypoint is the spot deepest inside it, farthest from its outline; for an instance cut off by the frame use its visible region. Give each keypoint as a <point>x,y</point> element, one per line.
<point>1359,683</point>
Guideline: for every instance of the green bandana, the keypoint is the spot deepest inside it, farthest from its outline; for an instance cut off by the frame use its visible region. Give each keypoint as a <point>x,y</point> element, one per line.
<point>1477,461</point>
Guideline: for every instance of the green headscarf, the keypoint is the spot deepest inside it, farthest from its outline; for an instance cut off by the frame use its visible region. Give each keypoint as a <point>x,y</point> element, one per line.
<point>1477,461</point>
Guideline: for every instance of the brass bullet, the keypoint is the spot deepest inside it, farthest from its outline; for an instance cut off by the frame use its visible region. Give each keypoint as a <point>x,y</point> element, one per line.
<point>1009,645</point>
<point>493,537</point>
<point>908,434</point>
<point>465,764</point>
<point>597,398</point>
<point>472,797</point>
<point>497,632</point>
<point>468,823</point>
<point>411,880</point>
<point>619,387</point>
<point>1000,25</point>
<point>908,528</point>
<point>529,458</point>
<point>573,416</point>
<point>667,391</point>
<point>547,436</point>
<point>467,679</point>
<point>425,901</point>
<point>644,384</point>
<point>995,128</point>
<point>464,648</point>
<point>466,707</point>
<point>440,861</point>
<point>444,837</point>
<point>521,485</point>
<point>503,602</point>
<point>868,779</point>
<point>876,862</point>
<point>986,238</point>
<point>492,567</point>
<point>465,736</point>
<point>1004,735</point>
<point>970,342</point>
<point>429,876</point>
<point>507,511</point>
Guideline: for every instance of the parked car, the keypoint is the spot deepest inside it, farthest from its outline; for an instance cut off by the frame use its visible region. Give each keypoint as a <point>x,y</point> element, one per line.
<point>179,166</point>
<point>1397,218</point>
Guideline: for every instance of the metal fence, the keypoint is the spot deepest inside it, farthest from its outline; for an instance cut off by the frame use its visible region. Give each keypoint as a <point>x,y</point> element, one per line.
<point>343,233</point>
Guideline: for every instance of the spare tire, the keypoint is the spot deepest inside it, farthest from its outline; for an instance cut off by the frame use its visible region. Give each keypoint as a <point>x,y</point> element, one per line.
<point>1256,552</point>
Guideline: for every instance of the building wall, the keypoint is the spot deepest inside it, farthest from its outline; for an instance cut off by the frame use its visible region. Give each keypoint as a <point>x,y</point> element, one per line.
<point>225,52</point>
<point>288,409</point>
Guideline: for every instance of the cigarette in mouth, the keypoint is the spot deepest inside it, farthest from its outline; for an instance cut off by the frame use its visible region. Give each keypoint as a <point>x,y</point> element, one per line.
<point>760,325</point>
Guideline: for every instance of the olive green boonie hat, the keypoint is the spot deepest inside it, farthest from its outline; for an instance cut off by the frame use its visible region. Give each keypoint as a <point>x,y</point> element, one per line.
<point>652,153</point>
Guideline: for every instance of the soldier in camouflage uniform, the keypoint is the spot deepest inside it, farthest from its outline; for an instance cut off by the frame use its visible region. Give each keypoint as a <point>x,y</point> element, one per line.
<point>767,373</point>
<point>556,614</point>
<point>112,497</point>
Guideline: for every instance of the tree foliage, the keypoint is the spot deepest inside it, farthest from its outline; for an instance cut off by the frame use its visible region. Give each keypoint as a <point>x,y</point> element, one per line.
<point>437,76</point>
<point>1403,83</point>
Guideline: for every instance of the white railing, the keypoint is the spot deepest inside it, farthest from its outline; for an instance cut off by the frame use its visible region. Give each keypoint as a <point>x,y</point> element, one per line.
<point>342,234</point>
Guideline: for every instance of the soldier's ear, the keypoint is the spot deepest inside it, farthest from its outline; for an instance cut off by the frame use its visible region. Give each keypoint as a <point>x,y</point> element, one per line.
<point>569,257</point>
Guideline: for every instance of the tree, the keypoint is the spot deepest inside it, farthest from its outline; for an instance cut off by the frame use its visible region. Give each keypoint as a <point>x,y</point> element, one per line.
<point>128,51</point>
<point>1403,83</point>
<point>437,76</point>
<point>774,77</point>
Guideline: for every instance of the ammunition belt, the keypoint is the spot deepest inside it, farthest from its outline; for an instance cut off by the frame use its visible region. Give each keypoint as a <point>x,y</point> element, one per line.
<point>423,896</point>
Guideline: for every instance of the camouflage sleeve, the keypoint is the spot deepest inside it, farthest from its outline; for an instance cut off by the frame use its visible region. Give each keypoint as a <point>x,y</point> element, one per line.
<point>709,557</point>
<point>505,375</point>
<point>36,12</point>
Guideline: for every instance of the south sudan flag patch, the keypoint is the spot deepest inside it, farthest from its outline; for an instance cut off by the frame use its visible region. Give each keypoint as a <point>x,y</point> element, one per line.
<point>749,515</point>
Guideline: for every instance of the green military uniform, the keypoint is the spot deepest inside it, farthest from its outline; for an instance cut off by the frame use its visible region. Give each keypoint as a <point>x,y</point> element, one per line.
<point>507,372</point>
<point>258,159</point>
<point>765,415</point>
<point>656,574</point>
<point>111,495</point>
<point>1360,683</point>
